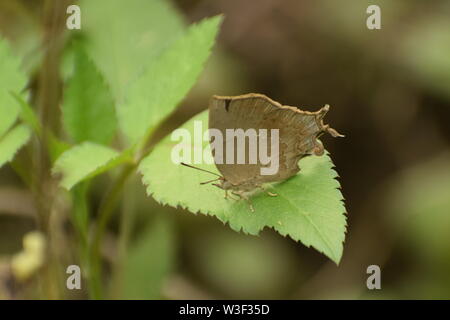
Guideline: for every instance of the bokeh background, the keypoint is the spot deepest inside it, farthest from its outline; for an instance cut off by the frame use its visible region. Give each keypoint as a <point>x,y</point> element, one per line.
<point>389,90</point>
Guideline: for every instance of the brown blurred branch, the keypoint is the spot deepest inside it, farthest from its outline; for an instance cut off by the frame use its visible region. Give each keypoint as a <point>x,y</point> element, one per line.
<point>47,98</point>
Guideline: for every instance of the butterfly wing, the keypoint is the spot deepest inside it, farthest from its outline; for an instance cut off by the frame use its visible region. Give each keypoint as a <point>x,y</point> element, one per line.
<point>298,131</point>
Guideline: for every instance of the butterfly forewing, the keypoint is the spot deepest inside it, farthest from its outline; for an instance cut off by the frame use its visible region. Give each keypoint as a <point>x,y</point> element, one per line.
<point>298,131</point>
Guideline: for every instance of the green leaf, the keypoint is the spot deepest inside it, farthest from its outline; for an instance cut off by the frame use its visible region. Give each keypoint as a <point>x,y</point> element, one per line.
<point>166,81</point>
<point>149,261</point>
<point>11,80</point>
<point>56,147</point>
<point>309,207</point>
<point>85,161</point>
<point>12,142</point>
<point>88,108</point>
<point>27,114</point>
<point>122,36</point>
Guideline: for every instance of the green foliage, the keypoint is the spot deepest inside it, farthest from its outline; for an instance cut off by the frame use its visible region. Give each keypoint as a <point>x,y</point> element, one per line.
<point>85,161</point>
<point>420,211</point>
<point>143,72</point>
<point>418,214</point>
<point>426,52</point>
<point>55,146</point>
<point>88,108</point>
<point>27,114</point>
<point>11,80</point>
<point>12,142</point>
<point>309,207</point>
<point>151,258</point>
<point>166,80</point>
<point>121,48</point>
<point>244,267</point>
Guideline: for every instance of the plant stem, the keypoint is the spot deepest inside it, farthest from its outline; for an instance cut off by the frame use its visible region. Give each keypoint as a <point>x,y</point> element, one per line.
<point>47,97</point>
<point>104,214</point>
<point>80,220</point>
<point>127,217</point>
<point>105,211</point>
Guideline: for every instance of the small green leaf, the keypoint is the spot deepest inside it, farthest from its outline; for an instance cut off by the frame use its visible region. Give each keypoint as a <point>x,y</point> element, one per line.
<point>85,161</point>
<point>11,80</point>
<point>88,108</point>
<point>27,114</point>
<point>309,207</point>
<point>12,142</point>
<point>149,261</point>
<point>166,80</point>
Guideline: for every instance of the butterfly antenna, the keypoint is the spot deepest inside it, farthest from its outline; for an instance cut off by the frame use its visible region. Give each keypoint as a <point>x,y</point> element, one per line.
<point>209,181</point>
<point>188,165</point>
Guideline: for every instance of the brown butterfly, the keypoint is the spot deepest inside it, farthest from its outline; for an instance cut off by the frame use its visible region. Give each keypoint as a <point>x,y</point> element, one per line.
<point>298,133</point>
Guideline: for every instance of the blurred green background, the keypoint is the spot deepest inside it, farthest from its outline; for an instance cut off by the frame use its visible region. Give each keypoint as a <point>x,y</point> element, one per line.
<point>389,90</point>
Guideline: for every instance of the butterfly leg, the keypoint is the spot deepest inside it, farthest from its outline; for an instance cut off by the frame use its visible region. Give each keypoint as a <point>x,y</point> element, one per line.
<point>227,196</point>
<point>268,192</point>
<point>241,195</point>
